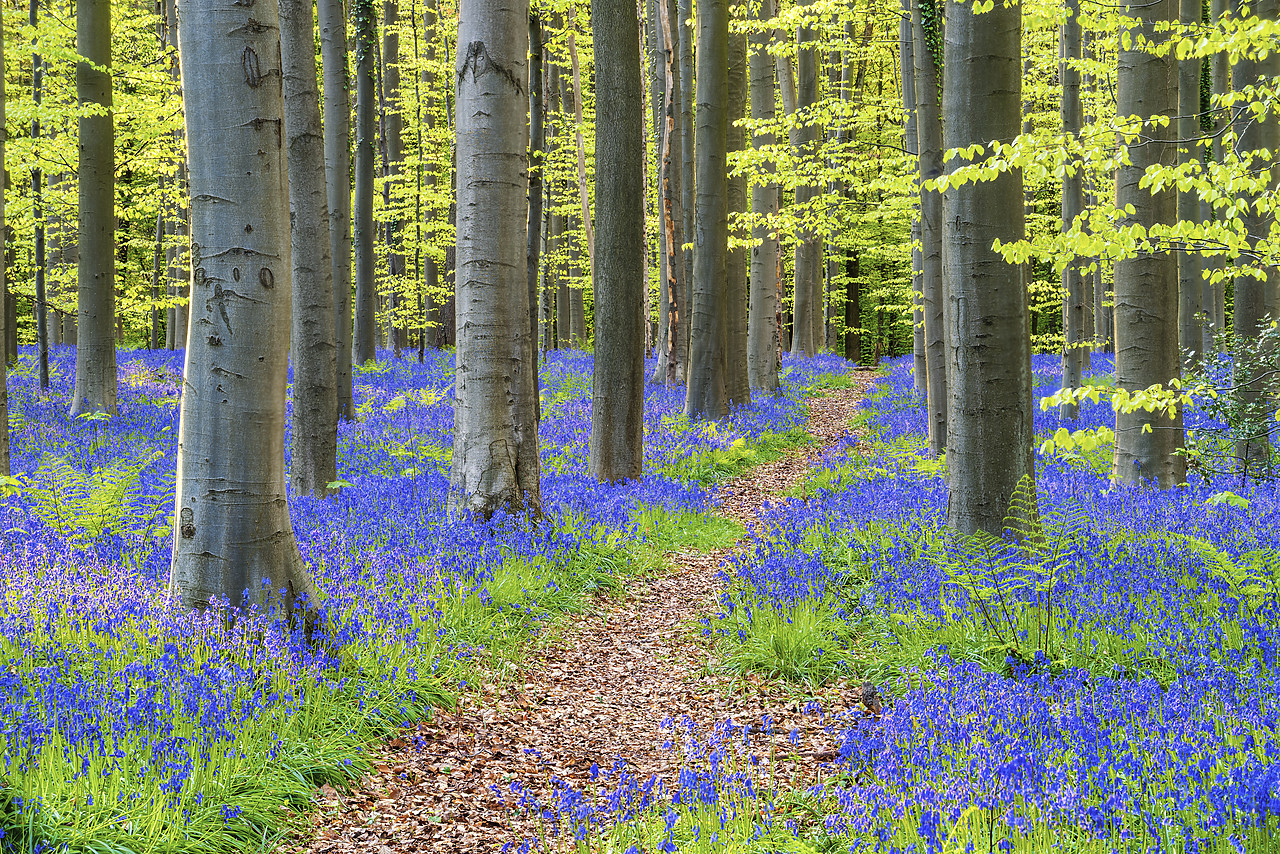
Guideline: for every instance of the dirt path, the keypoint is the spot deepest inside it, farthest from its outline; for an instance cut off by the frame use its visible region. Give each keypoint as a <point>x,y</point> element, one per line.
<point>600,692</point>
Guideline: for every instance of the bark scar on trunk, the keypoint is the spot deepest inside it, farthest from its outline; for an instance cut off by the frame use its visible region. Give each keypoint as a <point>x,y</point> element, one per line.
<point>476,53</point>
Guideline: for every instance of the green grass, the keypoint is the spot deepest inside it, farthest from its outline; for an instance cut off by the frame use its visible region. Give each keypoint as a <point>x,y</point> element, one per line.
<point>711,467</point>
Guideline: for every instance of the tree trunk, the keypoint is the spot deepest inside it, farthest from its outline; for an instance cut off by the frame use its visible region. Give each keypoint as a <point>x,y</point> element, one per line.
<point>737,385</point>
<point>393,138</point>
<point>1074,288</point>
<point>762,326</point>
<point>673,361</point>
<point>1256,299</point>
<point>707,395</point>
<point>1146,285</point>
<point>911,139</point>
<point>1190,267</point>
<point>805,337</point>
<point>533,237</point>
<point>4,289</point>
<point>584,193</point>
<point>926,27</point>
<point>337,170</point>
<point>315,365</point>
<point>659,100</point>
<point>232,534</point>
<point>40,262</point>
<point>1220,75</point>
<point>495,448</point>
<point>96,353</point>
<point>852,309</point>
<point>365,26</point>
<point>989,425</point>
<point>617,399</point>
<point>683,15</point>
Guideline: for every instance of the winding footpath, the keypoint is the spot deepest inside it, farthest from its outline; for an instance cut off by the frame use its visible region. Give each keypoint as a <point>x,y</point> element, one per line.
<point>598,691</point>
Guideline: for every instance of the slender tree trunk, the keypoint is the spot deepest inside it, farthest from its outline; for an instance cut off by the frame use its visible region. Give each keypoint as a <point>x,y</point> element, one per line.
<point>337,168</point>
<point>157,265</point>
<point>675,339</point>
<point>808,253</point>
<point>685,80</point>
<point>1075,290</point>
<point>4,320</point>
<point>707,395</point>
<point>659,100</point>
<point>393,138</point>
<point>232,534</point>
<point>852,309</point>
<point>584,193</point>
<point>1220,74</point>
<point>365,26</point>
<point>1146,285</point>
<point>989,426</point>
<point>737,385</point>
<point>41,305</point>
<point>926,31</point>
<point>762,326</point>
<point>1255,300</point>
<point>617,399</point>
<point>315,363</point>
<point>911,138</point>
<point>495,449</point>
<point>1190,267</point>
<point>537,142</point>
<point>96,353</point>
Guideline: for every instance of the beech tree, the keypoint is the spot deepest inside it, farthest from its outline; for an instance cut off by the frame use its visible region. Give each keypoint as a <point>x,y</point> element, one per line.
<point>1075,290</point>
<point>95,308</point>
<point>762,325</point>
<point>989,422</point>
<point>495,447</point>
<point>617,398</point>
<point>337,170</point>
<point>232,535</point>
<point>364,337</point>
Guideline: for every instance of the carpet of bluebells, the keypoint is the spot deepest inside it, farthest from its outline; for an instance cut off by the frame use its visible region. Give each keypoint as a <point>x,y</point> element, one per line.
<point>128,725</point>
<point>1109,684</point>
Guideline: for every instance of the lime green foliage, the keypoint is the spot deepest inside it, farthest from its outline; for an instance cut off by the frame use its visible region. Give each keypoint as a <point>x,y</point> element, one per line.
<point>904,456</point>
<point>806,643</point>
<point>709,467</point>
<point>84,506</point>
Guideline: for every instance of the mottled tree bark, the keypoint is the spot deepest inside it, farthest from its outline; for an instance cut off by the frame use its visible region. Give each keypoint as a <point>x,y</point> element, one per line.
<point>737,385</point>
<point>96,353</point>
<point>1076,296</point>
<point>806,335</point>
<point>393,141</point>
<point>584,192</point>
<point>911,143</point>
<point>537,142</point>
<point>232,535</point>
<point>926,31</point>
<point>365,27</point>
<point>707,395</point>
<point>337,168</point>
<point>313,463</point>
<point>4,320</point>
<point>762,325</point>
<point>989,424</point>
<point>617,397</point>
<point>495,448</point>
<point>683,39</point>
<point>1190,267</point>
<point>40,261</point>
<point>1146,285</point>
<point>1220,78</point>
<point>674,343</point>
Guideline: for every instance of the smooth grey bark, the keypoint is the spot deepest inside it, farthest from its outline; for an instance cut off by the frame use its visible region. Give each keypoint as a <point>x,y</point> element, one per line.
<point>707,396</point>
<point>807,324</point>
<point>495,448</point>
<point>674,344</point>
<point>393,145</point>
<point>1256,300</point>
<point>430,267</point>
<point>617,388</point>
<point>40,261</point>
<point>932,283</point>
<point>911,143</point>
<point>688,183</point>
<point>4,320</point>
<point>1103,308</point>
<point>989,425</point>
<point>337,169</point>
<point>365,308</point>
<point>313,464</point>
<point>1220,79</point>
<point>737,384</point>
<point>95,306</point>
<point>584,194</point>
<point>762,325</point>
<point>1190,265</point>
<point>558,226</point>
<point>232,535</point>
<point>177,258</point>
<point>533,225</point>
<point>1146,285</point>
<point>1076,295</point>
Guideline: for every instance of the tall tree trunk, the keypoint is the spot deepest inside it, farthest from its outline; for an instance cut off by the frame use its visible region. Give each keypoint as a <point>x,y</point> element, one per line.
<point>537,142</point>
<point>337,170</point>
<point>584,193</point>
<point>989,426</point>
<point>41,305</point>
<point>365,26</point>
<point>1256,299</point>
<point>4,320</point>
<point>707,395</point>
<point>157,264</point>
<point>495,448</point>
<point>687,187</point>
<point>808,254</point>
<point>617,399</point>
<point>1146,285</point>
<point>393,137</point>
<point>659,99</point>
<point>96,352</point>
<point>852,309</point>
<point>1075,291</point>
<point>737,385</point>
<point>232,534</point>
<point>762,326</point>
<point>1190,266</point>
<point>315,363</point>
<point>674,344</point>
<point>911,135</point>
<point>926,28</point>
<point>1220,76</point>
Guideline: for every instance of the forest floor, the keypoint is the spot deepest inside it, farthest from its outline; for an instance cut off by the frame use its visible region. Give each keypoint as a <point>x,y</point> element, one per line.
<point>622,681</point>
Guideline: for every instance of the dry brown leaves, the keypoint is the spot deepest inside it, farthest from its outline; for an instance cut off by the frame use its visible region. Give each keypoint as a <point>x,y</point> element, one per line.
<point>600,692</point>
